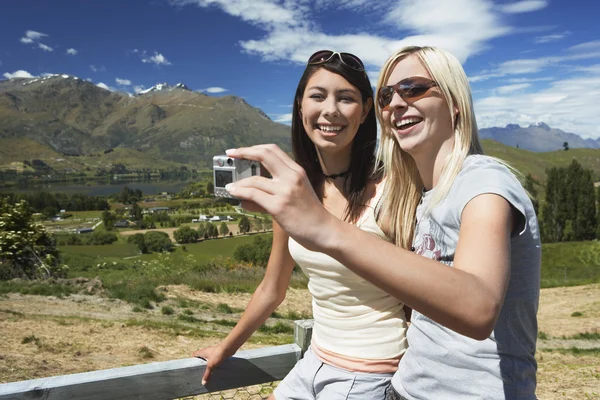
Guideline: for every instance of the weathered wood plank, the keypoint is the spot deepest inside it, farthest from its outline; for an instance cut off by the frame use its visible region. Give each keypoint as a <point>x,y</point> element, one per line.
<point>160,380</point>
<point>303,333</point>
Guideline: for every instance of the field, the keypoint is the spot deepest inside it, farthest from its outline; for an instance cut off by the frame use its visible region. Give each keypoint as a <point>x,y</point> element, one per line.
<point>158,307</point>
<point>46,336</point>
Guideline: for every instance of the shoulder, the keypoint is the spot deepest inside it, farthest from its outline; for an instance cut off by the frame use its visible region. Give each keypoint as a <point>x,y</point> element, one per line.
<point>487,175</point>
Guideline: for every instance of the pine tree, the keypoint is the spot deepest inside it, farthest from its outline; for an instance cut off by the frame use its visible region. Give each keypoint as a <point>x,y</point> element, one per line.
<point>529,185</point>
<point>585,221</point>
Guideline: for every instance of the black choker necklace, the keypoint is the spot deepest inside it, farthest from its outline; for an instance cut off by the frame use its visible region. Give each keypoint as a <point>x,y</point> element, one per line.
<point>340,175</point>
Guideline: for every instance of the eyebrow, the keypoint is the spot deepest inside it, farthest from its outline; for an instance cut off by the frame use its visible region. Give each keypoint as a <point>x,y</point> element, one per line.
<point>342,91</point>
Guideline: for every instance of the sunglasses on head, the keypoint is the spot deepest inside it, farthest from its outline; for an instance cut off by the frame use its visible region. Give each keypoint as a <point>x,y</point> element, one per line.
<point>325,56</point>
<point>407,88</point>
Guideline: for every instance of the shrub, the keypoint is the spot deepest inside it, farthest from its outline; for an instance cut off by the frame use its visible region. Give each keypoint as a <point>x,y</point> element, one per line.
<point>158,241</point>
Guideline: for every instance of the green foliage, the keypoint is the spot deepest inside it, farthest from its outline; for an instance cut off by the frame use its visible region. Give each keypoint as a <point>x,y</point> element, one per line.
<point>244,225</point>
<point>166,310</point>
<point>569,213</point>
<point>211,230</point>
<point>145,352</point>
<point>139,241</point>
<point>530,186</point>
<point>224,308</point>
<point>224,230</point>
<point>39,288</point>
<point>202,233</point>
<point>185,235</point>
<point>139,291</point>
<point>576,314</point>
<point>279,327</point>
<point>128,196</point>
<point>100,238</point>
<point>108,219</point>
<point>157,241</point>
<point>570,263</point>
<point>40,200</point>
<point>257,252</point>
<point>26,249</point>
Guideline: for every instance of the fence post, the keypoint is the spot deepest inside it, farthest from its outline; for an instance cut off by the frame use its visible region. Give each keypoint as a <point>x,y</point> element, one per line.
<point>303,333</point>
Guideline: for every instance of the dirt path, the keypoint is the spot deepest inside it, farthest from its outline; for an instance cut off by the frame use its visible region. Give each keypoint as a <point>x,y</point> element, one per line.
<point>46,336</point>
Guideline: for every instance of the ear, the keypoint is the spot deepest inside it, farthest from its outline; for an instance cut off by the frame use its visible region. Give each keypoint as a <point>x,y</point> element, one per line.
<point>366,109</point>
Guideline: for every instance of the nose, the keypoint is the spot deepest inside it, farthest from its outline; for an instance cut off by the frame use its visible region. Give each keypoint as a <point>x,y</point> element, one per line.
<point>330,107</point>
<point>398,101</point>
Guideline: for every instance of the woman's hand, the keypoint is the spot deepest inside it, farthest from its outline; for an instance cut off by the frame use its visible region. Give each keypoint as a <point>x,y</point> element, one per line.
<point>288,196</point>
<point>214,356</point>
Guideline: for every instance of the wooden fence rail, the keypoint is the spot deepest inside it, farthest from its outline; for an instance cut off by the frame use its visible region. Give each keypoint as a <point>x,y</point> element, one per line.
<point>168,379</point>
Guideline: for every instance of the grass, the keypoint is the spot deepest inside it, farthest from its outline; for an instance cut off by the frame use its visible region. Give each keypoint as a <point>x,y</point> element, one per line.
<point>570,264</point>
<point>583,336</point>
<point>277,328</point>
<point>576,351</point>
<point>36,288</point>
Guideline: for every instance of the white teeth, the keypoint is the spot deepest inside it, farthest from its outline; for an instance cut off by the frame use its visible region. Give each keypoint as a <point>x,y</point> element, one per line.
<point>406,121</point>
<point>329,128</point>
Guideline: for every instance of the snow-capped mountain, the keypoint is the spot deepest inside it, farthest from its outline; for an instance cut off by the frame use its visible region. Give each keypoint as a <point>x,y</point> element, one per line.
<point>159,87</point>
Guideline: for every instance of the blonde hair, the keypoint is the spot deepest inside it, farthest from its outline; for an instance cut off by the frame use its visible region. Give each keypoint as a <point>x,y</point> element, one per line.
<point>403,186</point>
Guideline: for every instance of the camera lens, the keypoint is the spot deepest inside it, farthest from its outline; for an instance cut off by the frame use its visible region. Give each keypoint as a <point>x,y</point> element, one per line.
<point>230,161</point>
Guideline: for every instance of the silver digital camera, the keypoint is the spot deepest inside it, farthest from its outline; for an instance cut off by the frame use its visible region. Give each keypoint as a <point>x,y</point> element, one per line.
<point>228,170</point>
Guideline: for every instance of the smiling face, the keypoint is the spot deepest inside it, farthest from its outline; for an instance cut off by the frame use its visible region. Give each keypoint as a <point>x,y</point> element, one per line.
<point>420,124</point>
<point>332,110</point>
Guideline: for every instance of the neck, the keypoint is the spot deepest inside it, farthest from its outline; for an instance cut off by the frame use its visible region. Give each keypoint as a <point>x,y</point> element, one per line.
<point>430,163</point>
<point>334,164</point>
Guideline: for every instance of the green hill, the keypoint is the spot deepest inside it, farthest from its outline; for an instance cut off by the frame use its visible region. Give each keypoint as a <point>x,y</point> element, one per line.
<point>528,162</point>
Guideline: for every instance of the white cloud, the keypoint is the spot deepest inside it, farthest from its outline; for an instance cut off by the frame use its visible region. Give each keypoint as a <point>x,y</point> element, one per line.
<point>18,74</point>
<point>569,104</point>
<point>213,90</point>
<point>98,68</point>
<point>512,88</point>
<point>461,26</point>
<point>550,38</point>
<point>71,51</point>
<point>523,6</point>
<point>103,86</point>
<point>258,12</point>
<point>585,47</point>
<point>31,36</point>
<point>45,47</point>
<point>123,82</point>
<point>157,59</point>
<point>283,118</point>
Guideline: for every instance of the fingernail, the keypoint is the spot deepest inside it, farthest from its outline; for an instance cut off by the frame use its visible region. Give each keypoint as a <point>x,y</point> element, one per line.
<point>229,187</point>
<point>203,382</point>
<point>230,151</point>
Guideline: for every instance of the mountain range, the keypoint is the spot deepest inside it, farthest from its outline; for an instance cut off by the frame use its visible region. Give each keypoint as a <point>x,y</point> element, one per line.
<point>67,116</point>
<point>537,137</point>
<point>72,124</point>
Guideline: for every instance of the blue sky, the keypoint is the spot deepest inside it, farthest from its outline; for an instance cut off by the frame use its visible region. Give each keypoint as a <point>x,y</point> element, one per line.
<point>528,61</point>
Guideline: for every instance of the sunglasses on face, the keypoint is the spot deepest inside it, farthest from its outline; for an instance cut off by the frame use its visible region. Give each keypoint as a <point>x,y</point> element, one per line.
<point>407,88</point>
<point>325,56</point>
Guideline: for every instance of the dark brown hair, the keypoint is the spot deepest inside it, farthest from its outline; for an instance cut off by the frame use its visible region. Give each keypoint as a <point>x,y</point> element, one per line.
<point>362,155</point>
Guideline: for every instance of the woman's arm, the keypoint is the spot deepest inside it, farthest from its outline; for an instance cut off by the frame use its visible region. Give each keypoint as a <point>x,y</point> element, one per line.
<point>466,298</point>
<point>267,297</point>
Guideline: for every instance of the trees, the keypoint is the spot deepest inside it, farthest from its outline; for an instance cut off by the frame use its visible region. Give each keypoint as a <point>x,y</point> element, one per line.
<point>26,249</point>
<point>157,241</point>
<point>565,146</point>
<point>570,210</point>
<point>529,185</point>
<point>211,230</point>
<point>108,219</point>
<point>257,252</point>
<point>138,240</point>
<point>224,229</point>
<point>244,225</point>
<point>185,235</point>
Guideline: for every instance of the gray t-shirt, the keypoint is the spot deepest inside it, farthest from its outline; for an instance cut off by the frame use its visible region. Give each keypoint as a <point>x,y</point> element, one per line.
<point>442,364</point>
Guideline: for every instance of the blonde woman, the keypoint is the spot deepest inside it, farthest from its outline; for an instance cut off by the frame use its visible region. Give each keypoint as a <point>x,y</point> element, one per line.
<point>467,254</point>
